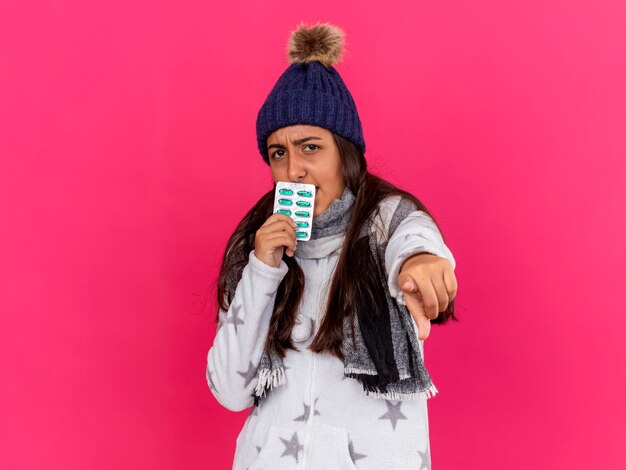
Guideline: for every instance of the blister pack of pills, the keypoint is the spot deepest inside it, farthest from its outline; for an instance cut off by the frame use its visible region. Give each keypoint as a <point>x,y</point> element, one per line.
<point>297,201</point>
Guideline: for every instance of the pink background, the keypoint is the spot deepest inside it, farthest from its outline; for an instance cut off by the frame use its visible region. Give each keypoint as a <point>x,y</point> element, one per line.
<point>122,122</point>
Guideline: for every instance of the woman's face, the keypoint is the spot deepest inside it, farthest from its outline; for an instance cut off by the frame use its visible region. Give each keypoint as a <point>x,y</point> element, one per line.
<point>307,154</point>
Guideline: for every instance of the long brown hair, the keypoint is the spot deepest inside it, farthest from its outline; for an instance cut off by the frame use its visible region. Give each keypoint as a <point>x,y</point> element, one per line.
<point>354,284</point>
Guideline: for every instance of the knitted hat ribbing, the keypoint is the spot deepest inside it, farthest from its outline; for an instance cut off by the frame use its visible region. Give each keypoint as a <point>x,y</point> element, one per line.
<point>311,91</point>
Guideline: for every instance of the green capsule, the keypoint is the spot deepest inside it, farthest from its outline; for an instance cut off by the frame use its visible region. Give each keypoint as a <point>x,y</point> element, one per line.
<point>301,234</point>
<point>303,203</point>
<point>283,211</point>
<point>285,202</point>
<point>285,191</point>
<point>304,193</point>
<point>302,213</point>
<point>302,224</point>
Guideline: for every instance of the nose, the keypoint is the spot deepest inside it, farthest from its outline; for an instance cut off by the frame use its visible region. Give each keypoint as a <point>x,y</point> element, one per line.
<point>295,169</point>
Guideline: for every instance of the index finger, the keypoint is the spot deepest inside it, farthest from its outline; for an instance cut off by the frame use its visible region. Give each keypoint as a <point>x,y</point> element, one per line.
<point>416,308</point>
<point>428,295</point>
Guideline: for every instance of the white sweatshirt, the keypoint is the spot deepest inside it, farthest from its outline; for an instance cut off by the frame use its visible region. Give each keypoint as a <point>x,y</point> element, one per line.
<point>318,419</point>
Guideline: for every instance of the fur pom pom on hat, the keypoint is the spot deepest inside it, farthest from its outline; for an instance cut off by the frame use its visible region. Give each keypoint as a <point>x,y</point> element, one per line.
<point>311,91</point>
<point>321,42</point>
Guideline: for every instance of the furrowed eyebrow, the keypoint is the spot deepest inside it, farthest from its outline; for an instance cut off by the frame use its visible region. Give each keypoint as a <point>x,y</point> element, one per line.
<point>295,142</point>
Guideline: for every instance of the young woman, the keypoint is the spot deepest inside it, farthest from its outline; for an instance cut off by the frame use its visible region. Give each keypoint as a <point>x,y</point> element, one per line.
<point>325,337</point>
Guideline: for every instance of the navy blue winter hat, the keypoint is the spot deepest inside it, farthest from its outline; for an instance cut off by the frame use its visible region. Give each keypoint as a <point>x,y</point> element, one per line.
<point>311,91</point>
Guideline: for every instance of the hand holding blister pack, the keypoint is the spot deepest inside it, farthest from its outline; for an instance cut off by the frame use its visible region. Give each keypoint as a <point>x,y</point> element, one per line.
<point>296,200</point>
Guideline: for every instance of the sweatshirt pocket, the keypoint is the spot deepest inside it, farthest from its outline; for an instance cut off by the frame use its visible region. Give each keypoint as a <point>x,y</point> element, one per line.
<point>328,448</point>
<point>282,449</point>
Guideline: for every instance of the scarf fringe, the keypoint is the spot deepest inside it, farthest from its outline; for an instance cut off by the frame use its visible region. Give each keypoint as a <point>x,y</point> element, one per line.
<point>355,370</point>
<point>368,380</point>
<point>393,395</point>
<point>268,379</point>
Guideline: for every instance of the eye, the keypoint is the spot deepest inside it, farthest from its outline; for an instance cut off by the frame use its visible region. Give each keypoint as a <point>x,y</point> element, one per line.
<point>274,153</point>
<point>312,145</point>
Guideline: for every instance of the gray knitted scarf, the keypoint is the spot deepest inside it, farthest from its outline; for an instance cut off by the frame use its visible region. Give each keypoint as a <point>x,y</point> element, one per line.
<point>383,354</point>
